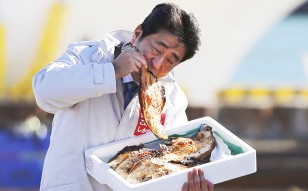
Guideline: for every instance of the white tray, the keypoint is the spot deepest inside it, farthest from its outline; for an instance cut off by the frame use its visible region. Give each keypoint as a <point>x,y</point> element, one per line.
<point>217,171</point>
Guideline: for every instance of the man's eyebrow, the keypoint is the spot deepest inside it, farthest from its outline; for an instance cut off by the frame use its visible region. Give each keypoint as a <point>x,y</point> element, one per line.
<point>163,44</point>
<point>167,46</point>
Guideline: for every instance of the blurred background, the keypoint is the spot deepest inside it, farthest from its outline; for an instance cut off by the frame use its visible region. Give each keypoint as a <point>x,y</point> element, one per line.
<point>250,75</point>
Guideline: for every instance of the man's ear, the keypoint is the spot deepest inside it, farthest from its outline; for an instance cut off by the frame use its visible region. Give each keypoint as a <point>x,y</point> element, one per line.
<point>137,34</point>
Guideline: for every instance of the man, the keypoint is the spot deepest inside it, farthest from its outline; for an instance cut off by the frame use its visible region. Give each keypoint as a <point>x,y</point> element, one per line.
<point>84,89</point>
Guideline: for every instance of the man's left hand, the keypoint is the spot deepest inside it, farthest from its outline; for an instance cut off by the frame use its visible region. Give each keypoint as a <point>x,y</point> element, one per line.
<point>197,182</point>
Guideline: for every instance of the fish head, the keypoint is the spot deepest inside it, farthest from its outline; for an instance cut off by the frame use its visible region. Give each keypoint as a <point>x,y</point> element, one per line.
<point>205,132</point>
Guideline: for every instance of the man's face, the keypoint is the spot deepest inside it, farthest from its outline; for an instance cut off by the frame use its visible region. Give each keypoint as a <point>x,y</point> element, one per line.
<point>162,52</point>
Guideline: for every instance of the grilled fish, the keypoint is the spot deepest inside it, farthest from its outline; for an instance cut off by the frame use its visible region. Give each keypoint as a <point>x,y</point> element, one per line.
<point>152,101</point>
<point>123,154</point>
<point>126,162</point>
<point>190,151</point>
<point>152,168</point>
<point>205,143</point>
<point>138,163</point>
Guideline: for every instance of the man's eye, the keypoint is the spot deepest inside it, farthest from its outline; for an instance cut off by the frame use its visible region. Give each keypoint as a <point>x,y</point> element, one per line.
<point>171,62</point>
<point>156,50</point>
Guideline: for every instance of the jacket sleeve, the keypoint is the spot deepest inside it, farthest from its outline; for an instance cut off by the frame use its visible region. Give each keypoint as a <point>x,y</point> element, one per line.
<point>69,80</point>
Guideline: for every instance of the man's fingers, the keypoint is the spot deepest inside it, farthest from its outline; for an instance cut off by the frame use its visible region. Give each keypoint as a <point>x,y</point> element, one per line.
<point>137,65</point>
<point>140,60</point>
<point>197,180</point>
<point>203,182</point>
<point>210,186</point>
<point>135,60</point>
<point>191,184</point>
<point>185,187</point>
<point>129,60</point>
<point>138,56</point>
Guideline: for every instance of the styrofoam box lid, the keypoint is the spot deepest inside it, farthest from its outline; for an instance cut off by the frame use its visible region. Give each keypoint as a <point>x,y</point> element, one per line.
<point>216,171</point>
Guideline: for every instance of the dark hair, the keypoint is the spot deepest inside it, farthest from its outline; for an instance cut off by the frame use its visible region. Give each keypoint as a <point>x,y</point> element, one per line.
<point>170,17</point>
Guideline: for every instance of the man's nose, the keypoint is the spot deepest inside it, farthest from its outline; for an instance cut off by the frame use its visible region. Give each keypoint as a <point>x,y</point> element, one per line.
<point>157,62</point>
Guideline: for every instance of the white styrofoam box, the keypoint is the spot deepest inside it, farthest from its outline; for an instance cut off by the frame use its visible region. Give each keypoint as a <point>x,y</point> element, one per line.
<point>216,171</point>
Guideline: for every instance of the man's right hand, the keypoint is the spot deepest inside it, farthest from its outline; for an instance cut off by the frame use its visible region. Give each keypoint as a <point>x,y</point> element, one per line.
<point>127,62</point>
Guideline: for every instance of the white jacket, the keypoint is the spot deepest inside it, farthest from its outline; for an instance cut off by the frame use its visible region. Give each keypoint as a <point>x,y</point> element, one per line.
<point>81,89</point>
